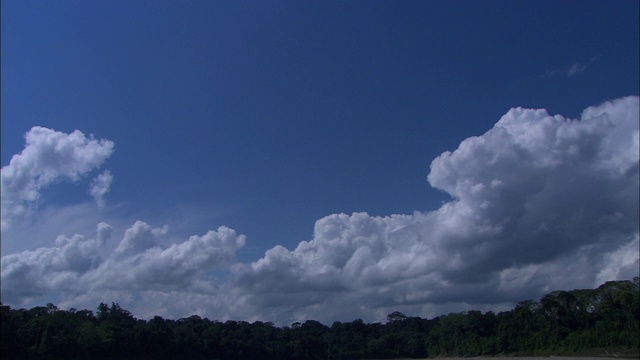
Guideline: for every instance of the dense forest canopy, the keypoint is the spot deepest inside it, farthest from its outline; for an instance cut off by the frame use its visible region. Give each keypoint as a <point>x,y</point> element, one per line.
<point>562,322</point>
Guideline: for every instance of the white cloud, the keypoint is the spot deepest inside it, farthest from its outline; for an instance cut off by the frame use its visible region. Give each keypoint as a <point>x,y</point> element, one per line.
<point>100,187</point>
<point>48,156</point>
<point>58,268</point>
<point>138,263</point>
<point>137,239</point>
<point>533,197</point>
<point>79,265</point>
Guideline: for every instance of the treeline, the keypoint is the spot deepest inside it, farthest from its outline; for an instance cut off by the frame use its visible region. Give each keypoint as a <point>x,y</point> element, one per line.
<point>561,322</point>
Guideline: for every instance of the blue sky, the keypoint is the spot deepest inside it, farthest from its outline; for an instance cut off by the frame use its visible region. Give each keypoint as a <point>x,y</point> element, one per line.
<point>272,118</point>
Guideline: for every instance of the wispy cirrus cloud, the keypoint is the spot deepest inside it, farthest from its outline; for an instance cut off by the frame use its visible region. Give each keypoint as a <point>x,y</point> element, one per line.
<point>571,71</point>
<point>576,69</point>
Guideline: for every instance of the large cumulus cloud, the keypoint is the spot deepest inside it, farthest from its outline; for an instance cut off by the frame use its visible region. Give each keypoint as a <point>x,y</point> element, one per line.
<point>535,196</point>
<point>48,156</point>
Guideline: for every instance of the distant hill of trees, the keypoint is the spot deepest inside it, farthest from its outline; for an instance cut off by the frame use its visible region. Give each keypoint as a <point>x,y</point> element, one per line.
<point>562,322</point>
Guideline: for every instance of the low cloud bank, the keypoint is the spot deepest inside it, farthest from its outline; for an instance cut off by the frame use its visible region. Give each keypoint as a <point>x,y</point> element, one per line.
<point>76,265</point>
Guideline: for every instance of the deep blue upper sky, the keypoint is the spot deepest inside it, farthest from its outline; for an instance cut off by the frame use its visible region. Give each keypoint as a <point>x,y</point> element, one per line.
<point>274,119</point>
<point>268,115</point>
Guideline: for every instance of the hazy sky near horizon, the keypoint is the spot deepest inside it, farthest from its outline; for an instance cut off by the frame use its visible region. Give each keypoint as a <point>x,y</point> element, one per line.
<point>292,160</point>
